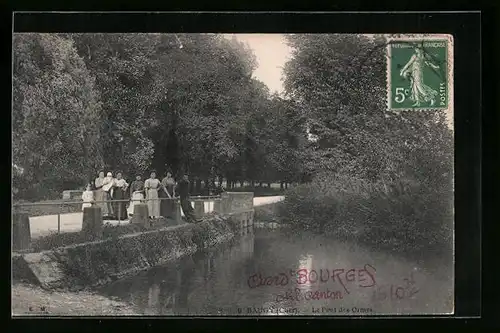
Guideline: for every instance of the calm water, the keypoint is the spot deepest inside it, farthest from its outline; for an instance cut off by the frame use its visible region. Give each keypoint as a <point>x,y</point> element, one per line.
<point>275,272</point>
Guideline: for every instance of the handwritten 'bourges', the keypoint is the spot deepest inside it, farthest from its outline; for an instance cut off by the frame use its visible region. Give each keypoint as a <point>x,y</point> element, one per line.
<point>365,277</point>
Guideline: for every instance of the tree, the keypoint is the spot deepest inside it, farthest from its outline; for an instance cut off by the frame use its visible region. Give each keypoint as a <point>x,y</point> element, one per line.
<point>169,106</point>
<point>144,102</point>
<point>340,81</point>
<point>380,177</point>
<point>55,112</point>
<point>122,65</point>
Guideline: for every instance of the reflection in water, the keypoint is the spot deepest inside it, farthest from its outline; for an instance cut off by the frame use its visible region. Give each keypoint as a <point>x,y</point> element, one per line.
<point>153,299</point>
<point>305,263</point>
<point>215,282</point>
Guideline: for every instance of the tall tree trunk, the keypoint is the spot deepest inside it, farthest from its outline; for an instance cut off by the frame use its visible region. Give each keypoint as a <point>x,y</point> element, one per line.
<point>282,186</point>
<point>269,184</point>
<point>212,183</point>
<point>198,186</point>
<point>286,186</point>
<point>260,184</point>
<point>242,183</point>
<point>207,187</point>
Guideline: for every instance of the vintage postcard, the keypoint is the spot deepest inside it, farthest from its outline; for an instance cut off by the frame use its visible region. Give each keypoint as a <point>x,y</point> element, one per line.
<point>232,174</point>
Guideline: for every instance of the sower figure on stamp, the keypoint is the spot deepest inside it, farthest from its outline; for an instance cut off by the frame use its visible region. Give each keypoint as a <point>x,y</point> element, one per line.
<point>183,190</point>
<point>414,71</point>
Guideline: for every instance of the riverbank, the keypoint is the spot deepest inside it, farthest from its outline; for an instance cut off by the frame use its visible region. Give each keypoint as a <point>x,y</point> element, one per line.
<point>30,300</point>
<point>100,262</point>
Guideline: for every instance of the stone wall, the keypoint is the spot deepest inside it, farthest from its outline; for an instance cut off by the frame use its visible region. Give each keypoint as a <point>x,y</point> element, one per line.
<point>100,262</point>
<point>72,195</point>
<point>237,201</point>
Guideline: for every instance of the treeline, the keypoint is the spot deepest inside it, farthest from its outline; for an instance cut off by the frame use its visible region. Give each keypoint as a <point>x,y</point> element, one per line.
<point>135,102</point>
<point>382,178</point>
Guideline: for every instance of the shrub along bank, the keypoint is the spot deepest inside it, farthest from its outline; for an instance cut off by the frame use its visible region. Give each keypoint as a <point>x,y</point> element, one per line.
<point>406,218</point>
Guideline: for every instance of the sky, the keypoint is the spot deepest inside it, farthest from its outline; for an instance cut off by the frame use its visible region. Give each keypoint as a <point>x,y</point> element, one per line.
<point>272,53</point>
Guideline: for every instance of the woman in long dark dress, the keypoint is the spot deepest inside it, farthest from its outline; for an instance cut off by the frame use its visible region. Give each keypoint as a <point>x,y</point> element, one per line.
<point>119,193</point>
<point>168,186</point>
<point>136,194</point>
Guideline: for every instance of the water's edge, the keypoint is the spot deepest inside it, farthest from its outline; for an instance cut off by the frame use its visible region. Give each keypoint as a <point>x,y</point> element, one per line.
<point>98,263</point>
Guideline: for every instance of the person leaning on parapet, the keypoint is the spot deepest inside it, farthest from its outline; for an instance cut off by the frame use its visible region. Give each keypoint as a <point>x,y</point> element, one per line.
<point>168,191</point>
<point>182,189</point>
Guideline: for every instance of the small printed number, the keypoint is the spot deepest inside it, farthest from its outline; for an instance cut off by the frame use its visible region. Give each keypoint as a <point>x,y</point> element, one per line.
<point>400,96</point>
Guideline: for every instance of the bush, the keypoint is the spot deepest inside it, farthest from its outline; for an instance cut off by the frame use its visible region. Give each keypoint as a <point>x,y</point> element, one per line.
<point>258,191</point>
<point>56,240</point>
<point>403,217</point>
<point>266,213</point>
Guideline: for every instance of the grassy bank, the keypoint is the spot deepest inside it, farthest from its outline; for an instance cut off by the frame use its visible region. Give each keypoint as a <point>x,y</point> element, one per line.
<point>109,231</point>
<point>414,220</point>
<point>28,300</point>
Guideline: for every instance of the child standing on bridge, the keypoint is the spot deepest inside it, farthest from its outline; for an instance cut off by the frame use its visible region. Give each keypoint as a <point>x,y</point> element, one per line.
<point>87,197</point>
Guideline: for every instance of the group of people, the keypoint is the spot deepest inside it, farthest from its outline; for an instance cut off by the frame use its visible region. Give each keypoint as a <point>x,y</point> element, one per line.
<point>110,193</point>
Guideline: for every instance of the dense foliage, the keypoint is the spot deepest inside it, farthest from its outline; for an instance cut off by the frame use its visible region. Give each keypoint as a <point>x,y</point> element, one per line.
<point>385,178</point>
<point>189,103</point>
<point>55,107</point>
<point>132,102</point>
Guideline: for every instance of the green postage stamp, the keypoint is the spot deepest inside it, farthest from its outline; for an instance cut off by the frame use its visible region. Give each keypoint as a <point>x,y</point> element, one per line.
<point>419,72</point>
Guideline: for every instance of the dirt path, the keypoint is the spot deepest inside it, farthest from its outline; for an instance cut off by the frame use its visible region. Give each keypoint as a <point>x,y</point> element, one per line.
<point>33,301</point>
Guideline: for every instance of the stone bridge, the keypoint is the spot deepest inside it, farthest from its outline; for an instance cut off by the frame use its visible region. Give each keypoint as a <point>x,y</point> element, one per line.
<point>99,260</point>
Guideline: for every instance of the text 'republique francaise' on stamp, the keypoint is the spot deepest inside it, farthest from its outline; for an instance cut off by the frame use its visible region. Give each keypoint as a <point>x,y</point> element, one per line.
<point>420,72</point>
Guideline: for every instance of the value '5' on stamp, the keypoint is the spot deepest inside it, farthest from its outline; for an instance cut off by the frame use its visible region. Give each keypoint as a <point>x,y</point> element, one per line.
<point>419,73</point>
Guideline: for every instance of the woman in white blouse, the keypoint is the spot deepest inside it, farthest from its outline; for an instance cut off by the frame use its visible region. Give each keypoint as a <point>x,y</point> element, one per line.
<point>152,185</point>
<point>107,187</point>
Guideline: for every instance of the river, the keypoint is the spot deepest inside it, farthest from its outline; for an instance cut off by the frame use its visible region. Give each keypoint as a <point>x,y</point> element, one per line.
<point>277,272</point>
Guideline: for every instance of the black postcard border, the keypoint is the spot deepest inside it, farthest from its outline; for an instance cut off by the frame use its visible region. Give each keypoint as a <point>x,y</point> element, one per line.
<point>466,30</point>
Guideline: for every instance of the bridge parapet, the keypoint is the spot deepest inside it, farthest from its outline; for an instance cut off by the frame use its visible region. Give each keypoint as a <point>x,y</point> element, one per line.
<point>239,205</point>
<point>234,202</point>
